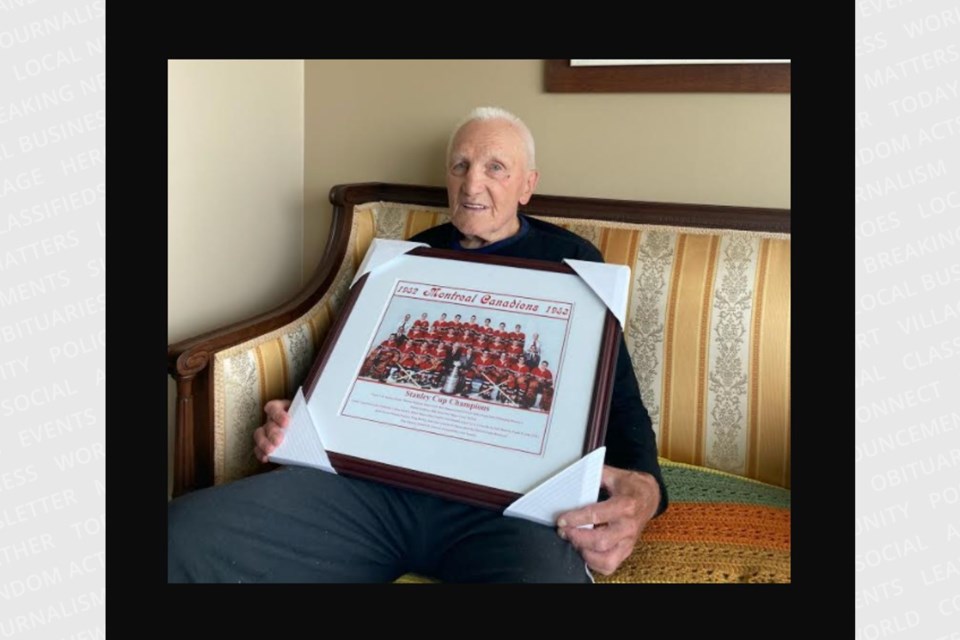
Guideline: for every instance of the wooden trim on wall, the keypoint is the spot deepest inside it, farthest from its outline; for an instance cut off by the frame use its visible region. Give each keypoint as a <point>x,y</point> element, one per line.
<point>561,77</point>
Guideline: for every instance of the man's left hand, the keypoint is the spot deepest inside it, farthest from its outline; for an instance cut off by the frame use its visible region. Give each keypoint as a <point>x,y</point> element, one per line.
<point>617,522</point>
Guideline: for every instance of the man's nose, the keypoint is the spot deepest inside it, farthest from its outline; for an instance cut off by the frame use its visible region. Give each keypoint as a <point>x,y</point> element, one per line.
<point>473,180</point>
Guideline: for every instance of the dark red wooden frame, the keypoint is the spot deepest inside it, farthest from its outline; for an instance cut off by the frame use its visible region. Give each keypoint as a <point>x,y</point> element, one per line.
<point>476,494</point>
<point>560,77</point>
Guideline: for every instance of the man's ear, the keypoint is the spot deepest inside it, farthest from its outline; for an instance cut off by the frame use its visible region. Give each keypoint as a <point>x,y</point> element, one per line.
<point>529,186</point>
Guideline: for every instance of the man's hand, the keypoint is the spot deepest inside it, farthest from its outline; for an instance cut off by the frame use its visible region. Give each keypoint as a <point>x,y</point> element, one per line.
<point>618,521</point>
<point>268,436</point>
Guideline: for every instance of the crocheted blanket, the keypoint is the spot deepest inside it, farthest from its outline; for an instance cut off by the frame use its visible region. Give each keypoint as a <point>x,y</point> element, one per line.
<point>719,528</point>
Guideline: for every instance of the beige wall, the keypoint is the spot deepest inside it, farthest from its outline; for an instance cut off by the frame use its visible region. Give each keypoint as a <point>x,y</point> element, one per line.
<point>388,120</point>
<point>235,190</point>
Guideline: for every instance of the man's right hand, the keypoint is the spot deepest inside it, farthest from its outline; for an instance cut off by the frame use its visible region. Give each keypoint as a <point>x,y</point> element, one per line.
<point>269,436</point>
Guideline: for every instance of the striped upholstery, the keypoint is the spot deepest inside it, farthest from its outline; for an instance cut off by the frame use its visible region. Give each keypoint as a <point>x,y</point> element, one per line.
<point>708,333</point>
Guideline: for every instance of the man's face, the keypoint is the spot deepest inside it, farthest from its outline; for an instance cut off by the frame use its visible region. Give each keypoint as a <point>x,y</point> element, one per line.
<point>487,178</point>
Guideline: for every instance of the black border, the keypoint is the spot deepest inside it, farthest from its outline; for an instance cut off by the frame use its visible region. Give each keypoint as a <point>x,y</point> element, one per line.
<point>822,361</point>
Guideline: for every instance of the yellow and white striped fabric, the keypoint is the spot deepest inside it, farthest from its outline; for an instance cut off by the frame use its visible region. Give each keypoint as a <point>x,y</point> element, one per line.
<point>708,331</point>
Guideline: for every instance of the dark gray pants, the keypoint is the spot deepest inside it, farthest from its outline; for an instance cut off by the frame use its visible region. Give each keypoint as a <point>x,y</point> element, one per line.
<point>297,524</point>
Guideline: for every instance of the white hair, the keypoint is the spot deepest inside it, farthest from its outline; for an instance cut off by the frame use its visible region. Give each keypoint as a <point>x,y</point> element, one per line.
<point>496,113</point>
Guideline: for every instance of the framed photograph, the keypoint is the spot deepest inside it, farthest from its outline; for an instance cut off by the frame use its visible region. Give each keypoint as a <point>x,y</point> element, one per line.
<point>472,377</point>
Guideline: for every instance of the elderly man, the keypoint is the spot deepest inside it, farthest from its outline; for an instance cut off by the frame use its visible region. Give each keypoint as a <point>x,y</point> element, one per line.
<point>297,524</point>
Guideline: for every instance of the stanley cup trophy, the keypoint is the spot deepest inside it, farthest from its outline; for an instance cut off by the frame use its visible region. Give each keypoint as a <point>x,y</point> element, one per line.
<point>453,379</point>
